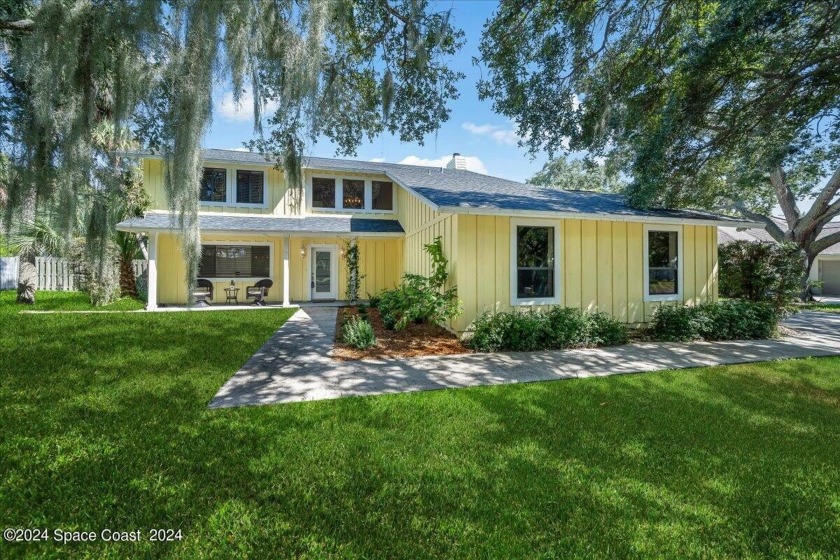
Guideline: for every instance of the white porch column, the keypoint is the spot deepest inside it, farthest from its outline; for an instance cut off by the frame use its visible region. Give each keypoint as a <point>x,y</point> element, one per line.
<point>286,242</point>
<point>151,305</point>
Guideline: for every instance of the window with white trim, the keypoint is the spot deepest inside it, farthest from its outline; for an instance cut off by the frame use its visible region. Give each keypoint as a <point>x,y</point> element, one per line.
<point>323,192</point>
<point>249,187</point>
<point>235,261</point>
<point>213,185</point>
<point>663,266</point>
<point>535,257</point>
<point>382,195</point>
<point>351,194</point>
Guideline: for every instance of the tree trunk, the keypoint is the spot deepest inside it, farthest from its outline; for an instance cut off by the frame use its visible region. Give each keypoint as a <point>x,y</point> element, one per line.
<point>128,285</point>
<point>807,290</point>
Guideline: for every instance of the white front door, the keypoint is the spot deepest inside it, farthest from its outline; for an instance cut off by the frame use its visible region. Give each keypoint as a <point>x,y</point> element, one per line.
<point>324,273</point>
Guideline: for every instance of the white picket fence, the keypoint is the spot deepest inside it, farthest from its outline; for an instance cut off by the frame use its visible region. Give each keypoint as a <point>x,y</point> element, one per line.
<point>63,275</point>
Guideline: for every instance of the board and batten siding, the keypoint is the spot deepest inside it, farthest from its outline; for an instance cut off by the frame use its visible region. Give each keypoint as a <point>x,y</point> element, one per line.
<point>278,200</point>
<point>422,224</point>
<point>380,264</point>
<point>601,266</point>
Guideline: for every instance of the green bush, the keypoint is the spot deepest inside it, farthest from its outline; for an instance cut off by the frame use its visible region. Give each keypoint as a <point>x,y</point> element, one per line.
<point>420,299</point>
<point>554,329</point>
<point>358,333</point>
<point>763,272</point>
<point>729,320</point>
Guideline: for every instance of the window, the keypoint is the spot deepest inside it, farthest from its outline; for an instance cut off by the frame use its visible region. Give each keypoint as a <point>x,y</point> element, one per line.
<point>323,192</point>
<point>382,195</point>
<point>249,187</point>
<point>353,194</point>
<point>235,261</point>
<point>213,185</point>
<point>663,255</point>
<point>534,275</point>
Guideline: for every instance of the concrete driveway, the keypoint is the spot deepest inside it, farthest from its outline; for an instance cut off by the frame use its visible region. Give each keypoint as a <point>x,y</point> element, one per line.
<point>294,364</point>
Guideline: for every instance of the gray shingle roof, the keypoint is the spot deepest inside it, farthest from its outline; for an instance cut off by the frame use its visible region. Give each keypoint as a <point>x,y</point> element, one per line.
<point>334,225</point>
<point>729,234</point>
<point>468,191</point>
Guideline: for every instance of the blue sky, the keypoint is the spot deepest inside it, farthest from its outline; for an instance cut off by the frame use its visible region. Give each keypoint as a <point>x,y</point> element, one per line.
<point>474,130</point>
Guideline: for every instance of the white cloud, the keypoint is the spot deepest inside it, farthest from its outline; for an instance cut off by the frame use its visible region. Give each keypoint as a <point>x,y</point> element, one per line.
<point>473,163</point>
<point>378,160</point>
<point>227,108</point>
<point>502,135</point>
<point>238,149</point>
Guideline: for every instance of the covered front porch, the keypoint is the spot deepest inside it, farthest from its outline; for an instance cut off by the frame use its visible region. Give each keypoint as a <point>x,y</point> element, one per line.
<point>302,267</point>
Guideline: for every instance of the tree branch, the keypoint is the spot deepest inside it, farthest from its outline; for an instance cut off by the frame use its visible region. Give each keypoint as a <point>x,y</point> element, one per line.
<point>824,243</point>
<point>18,25</point>
<point>785,197</point>
<point>823,201</point>
<point>772,227</point>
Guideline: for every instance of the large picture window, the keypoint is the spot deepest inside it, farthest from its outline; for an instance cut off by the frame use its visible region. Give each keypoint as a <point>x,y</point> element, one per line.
<point>663,264</point>
<point>382,195</point>
<point>535,263</point>
<point>235,261</point>
<point>323,192</point>
<point>213,185</point>
<point>249,187</point>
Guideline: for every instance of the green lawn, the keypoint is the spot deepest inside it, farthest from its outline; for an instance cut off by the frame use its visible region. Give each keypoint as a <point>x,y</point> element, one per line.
<point>817,306</point>
<point>104,424</point>
<point>63,301</point>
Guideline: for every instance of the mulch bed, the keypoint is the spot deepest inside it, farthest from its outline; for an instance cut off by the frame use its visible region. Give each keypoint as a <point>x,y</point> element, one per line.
<point>415,340</point>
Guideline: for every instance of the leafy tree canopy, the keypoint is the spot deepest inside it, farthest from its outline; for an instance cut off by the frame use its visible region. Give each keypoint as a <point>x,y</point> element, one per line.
<point>732,105</point>
<point>83,81</point>
<point>693,98</point>
<point>577,174</point>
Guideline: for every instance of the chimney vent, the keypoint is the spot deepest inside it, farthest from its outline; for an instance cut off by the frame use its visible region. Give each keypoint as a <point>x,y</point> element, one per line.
<point>457,162</point>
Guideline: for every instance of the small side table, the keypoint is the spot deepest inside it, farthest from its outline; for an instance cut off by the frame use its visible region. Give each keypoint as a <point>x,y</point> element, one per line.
<point>231,295</point>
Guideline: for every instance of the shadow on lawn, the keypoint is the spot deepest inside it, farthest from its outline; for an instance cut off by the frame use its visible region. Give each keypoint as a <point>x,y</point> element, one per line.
<point>115,433</point>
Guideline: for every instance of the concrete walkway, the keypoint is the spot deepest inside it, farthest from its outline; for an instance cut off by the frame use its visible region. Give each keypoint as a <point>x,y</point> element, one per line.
<point>294,365</point>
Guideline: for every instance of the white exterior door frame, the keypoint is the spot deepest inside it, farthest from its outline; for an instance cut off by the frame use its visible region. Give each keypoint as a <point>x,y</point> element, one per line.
<point>332,294</point>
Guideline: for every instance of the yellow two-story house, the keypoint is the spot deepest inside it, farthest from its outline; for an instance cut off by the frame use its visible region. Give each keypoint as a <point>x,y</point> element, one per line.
<point>509,244</point>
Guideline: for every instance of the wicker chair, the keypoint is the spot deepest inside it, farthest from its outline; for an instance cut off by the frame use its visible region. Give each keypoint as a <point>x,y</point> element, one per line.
<point>259,291</point>
<point>203,293</point>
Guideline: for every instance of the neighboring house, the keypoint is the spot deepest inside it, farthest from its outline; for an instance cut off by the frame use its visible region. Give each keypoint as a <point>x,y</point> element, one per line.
<point>509,244</point>
<point>826,267</point>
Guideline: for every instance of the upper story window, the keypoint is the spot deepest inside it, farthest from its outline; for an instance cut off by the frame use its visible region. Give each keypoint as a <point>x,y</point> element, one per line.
<point>663,257</point>
<point>534,270</point>
<point>213,185</point>
<point>323,192</point>
<point>330,193</point>
<point>249,187</point>
<point>382,195</point>
<point>353,194</point>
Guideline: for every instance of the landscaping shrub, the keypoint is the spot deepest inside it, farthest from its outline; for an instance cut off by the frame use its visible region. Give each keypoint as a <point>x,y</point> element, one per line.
<point>763,272</point>
<point>555,329</point>
<point>728,320</point>
<point>358,333</point>
<point>421,299</point>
